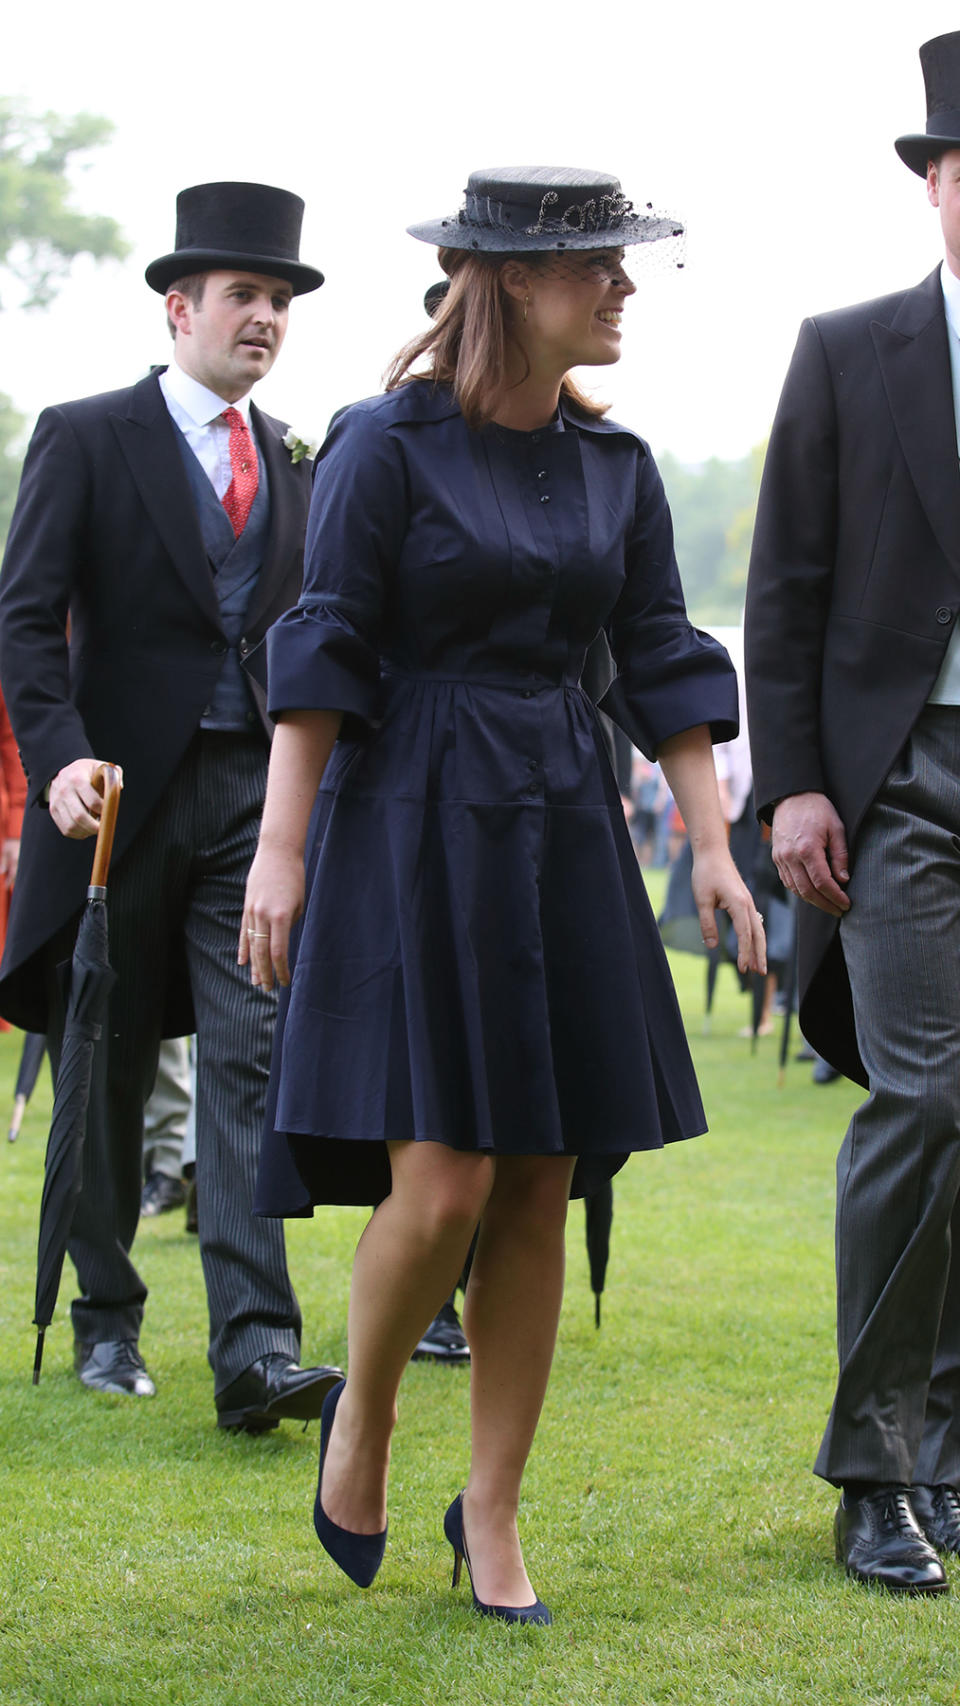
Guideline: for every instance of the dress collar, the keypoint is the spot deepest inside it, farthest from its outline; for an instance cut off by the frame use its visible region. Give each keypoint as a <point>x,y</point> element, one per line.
<point>196,400</point>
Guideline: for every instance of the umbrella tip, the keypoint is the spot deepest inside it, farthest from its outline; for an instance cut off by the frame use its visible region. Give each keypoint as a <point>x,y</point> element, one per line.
<point>596,1310</point>
<point>38,1357</point>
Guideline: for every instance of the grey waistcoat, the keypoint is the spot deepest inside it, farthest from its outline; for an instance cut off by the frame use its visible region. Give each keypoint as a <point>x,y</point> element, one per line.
<point>236,565</point>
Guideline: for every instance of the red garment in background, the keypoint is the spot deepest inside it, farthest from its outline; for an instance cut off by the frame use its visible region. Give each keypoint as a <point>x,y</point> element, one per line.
<point>13,794</point>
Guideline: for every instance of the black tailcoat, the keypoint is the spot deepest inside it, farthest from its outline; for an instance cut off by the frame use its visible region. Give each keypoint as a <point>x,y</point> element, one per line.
<point>119,550</point>
<point>854,583</point>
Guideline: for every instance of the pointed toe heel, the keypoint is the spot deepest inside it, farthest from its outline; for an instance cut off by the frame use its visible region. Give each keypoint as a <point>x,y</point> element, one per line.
<point>453,1529</point>
<point>359,1556</point>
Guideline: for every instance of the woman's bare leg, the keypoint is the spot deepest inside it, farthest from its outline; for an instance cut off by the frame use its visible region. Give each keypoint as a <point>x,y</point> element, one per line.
<point>511,1312</point>
<point>407,1262</point>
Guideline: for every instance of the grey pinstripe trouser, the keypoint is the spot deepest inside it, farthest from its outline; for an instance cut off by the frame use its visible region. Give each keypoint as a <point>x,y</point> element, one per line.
<point>896,1415</point>
<point>183,880</point>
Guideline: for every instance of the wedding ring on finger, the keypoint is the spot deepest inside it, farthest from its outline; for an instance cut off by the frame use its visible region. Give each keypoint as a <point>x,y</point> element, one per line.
<point>263,934</point>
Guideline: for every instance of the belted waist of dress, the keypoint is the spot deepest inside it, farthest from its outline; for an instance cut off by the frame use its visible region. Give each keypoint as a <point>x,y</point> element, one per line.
<point>513,681</point>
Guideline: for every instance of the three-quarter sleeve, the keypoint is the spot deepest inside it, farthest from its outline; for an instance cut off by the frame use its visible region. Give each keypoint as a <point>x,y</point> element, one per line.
<point>323,654</point>
<point>670,676</point>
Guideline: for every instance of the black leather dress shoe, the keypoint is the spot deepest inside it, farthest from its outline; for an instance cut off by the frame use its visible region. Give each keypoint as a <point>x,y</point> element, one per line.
<point>444,1339</point>
<point>824,1073</point>
<point>879,1540</point>
<point>272,1390</point>
<point>161,1193</point>
<point>937,1510</point>
<point>113,1365</point>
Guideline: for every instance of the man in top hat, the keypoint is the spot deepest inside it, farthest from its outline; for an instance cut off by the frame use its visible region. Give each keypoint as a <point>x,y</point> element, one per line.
<point>166,523</point>
<point>853,660</point>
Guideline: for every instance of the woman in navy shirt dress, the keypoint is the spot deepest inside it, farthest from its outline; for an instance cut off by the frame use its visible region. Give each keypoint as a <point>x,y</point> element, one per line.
<point>479,1016</point>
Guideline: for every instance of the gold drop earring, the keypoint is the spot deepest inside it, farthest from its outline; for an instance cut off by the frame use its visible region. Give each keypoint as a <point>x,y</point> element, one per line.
<point>526,304</point>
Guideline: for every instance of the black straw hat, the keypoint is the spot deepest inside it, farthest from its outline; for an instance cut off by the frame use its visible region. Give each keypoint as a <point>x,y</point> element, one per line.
<point>940,60</point>
<point>253,227</point>
<point>512,209</point>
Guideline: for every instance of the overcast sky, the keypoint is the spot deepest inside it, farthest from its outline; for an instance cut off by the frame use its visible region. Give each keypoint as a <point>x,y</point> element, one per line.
<point>768,129</point>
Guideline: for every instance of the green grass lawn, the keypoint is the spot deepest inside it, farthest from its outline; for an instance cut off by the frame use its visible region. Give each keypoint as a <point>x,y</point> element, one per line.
<point>671,1520</point>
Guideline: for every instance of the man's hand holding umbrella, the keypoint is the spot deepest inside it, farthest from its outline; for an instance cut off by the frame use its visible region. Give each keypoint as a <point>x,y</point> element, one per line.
<point>76,800</point>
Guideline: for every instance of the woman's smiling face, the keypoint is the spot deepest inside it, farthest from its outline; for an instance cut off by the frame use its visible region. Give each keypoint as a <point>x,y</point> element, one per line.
<point>573,308</point>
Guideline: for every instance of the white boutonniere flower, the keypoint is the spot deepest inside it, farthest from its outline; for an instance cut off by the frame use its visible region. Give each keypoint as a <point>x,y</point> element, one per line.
<point>300,448</point>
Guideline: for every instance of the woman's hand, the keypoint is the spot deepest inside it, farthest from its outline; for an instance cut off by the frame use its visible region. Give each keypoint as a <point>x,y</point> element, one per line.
<point>302,744</point>
<point>273,903</point>
<point>687,762</point>
<point>9,859</point>
<point>716,882</point>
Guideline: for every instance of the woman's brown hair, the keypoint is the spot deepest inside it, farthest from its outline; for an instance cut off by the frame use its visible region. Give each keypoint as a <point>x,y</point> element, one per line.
<point>467,344</point>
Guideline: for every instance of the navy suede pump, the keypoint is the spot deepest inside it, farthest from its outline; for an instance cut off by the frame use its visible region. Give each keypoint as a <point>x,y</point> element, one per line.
<point>453,1529</point>
<point>359,1556</point>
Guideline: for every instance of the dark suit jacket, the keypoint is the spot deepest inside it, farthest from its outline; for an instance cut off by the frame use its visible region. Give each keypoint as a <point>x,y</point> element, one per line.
<point>854,583</point>
<point>105,530</point>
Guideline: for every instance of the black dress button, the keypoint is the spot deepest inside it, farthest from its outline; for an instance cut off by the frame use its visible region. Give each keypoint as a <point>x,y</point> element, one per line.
<point>944,615</point>
<point>532,764</point>
<point>545,497</point>
<point>541,473</point>
<point>534,438</point>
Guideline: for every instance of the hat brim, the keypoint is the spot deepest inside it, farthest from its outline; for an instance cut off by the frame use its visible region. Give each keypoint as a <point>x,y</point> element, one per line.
<point>453,234</point>
<point>917,151</point>
<point>162,273</point>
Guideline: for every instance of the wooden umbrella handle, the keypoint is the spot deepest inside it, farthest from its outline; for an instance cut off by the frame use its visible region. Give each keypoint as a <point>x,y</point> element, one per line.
<point>108,781</point>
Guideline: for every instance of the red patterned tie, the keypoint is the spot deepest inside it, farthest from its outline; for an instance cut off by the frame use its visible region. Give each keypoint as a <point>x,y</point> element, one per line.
<point>239,495</point>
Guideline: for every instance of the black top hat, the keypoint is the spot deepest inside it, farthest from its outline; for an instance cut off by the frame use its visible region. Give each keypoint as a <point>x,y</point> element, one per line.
<point>250,226</point>
<point>434,297</point>
<point>940,59</point>
<point>510,209</point>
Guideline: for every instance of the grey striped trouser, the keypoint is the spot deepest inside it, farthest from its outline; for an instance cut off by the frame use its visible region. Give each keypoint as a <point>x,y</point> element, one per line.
<point>182,883</point>
<point>896,1414</point>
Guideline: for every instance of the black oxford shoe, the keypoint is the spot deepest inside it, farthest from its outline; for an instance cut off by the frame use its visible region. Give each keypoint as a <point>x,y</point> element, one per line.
<point>113,1365</point>
<point>937,1510</point>
<point>879,1539</point>
<point>272,1390</point>
<point>444,1340</point>
<point>161,1193</point>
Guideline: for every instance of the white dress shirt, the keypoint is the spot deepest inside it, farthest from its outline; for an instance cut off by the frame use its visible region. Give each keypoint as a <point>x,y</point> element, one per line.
<point>946,688</point>
<point>198,413</point>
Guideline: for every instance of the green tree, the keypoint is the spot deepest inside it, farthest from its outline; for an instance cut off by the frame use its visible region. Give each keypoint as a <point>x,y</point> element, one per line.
<point>41,232</point>
<point>740,531</point>
<point>12,426</point>
<point>713,507</point>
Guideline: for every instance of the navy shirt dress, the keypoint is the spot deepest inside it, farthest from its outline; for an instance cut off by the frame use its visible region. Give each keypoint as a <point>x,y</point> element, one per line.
<point>478,963</point>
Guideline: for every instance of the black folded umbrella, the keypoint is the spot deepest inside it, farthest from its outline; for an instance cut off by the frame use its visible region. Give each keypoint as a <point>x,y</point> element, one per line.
<point>31,1060</point>
<point>789,996</point>
<point>599,1209</point>
<point>90,980</point>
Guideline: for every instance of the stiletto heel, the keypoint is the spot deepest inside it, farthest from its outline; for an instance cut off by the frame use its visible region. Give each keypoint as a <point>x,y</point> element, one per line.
<point>359,1556</point>
<point>453,1529</point>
